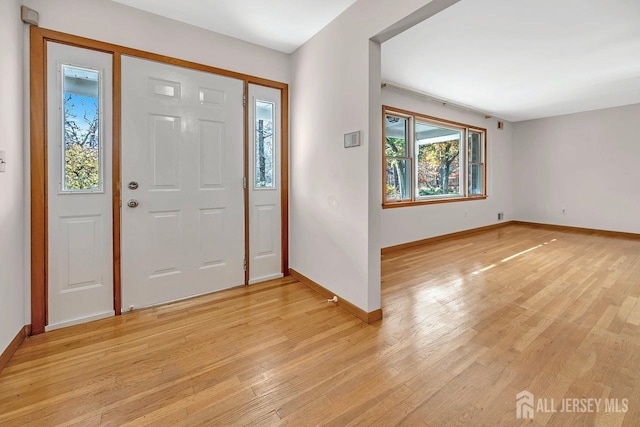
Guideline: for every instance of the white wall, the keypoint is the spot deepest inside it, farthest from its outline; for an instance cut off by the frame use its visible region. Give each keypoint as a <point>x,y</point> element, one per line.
<point>402,225</point>
<point>112,22</point>
<point>586,163</point>
<point>11,181</point>
<point>334,201</point>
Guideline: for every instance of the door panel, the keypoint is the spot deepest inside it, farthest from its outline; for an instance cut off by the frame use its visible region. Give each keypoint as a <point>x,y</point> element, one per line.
<point>79,112</point>
<point>182,143</point>
<point>210,143</point>
<point>265,250</point>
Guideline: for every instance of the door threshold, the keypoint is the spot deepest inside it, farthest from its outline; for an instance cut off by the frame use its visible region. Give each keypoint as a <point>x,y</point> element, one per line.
<point>266,278</point>
<point>79,321</point>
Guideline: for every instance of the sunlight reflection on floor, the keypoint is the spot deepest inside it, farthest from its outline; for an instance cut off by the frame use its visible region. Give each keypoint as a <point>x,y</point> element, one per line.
<point>507,259</point>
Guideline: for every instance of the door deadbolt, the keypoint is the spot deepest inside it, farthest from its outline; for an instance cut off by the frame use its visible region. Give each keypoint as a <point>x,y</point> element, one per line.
<point>133,185</point>
<point>132,203</point>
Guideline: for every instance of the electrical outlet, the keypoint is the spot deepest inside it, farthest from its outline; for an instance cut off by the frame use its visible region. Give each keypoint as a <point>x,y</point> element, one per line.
<point>500,216</point>
<point>564,211</point>
<point>3,161</point>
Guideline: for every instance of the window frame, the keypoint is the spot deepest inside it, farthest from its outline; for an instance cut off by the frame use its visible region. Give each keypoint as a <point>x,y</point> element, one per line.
<point>483,160</point>
<point>274,145</point>
<point>462,157</point>
<point>62,190</point>
<point>408,154</point>
<point>413,119</point>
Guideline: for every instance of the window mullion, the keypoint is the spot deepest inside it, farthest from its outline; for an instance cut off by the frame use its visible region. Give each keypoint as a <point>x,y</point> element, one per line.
<point>414,163</point>
<point>465,165</point>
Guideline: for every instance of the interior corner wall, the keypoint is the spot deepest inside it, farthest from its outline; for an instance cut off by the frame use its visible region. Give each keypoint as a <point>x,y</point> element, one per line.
<point>116,23</point>
<point>331,240</point>
<point>408,224</point>
<point>12,181</point>
<point>375,173</point>
<point>585,163</point>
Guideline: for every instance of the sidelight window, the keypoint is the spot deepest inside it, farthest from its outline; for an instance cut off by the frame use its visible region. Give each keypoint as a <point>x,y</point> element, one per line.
<point>264,144</point>
<point>81,147</point>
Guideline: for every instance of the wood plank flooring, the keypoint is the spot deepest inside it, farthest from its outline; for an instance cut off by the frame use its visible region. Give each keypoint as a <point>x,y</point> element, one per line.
<point>468,324</point>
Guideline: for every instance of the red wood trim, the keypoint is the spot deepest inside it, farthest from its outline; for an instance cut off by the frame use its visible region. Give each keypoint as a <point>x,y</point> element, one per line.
<point>384,156</point>
<point>284,177</point>
<point>247,206</point>
<point>116,178</point>
<point>390,110</point>
<point>114,48</point>
<point>465,233</point>
<point>38,172</point>
<point>450,236</point>
<point>15,343</point>
<point>581,230</point>
<point>408,203</point>
<point>367,317</point>
<point>485,159</point>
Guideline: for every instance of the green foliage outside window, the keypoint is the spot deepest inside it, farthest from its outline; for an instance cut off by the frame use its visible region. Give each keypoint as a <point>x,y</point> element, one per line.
<point>397,179</point>
<point>81,167</point>
<point>438,168</point>
<point>81,143</point>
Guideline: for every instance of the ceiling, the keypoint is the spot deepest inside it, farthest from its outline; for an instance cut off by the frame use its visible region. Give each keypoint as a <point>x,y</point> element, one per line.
<point>522,60</point>
<point>282,25</point>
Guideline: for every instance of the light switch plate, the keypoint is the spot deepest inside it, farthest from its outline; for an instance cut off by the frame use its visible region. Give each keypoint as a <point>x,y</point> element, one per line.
<point>3,161</point>
<point>352,139</point>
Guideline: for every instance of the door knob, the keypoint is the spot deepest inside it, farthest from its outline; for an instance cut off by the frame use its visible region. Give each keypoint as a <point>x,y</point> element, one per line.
<point>133,203</point>
<point>133,185</point>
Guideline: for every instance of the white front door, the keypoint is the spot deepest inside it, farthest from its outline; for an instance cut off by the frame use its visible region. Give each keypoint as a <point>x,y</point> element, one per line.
<point>265,250</point>
<point>182,183</point>
<point>79,128</point>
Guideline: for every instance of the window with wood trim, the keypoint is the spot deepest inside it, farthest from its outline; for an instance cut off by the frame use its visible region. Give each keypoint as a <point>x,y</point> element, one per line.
<point>431,160</point>
<point>82,148</point>
<point>265,136</point>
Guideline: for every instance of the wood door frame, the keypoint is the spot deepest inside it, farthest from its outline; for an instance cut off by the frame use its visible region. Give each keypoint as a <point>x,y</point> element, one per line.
<point>38,158</point>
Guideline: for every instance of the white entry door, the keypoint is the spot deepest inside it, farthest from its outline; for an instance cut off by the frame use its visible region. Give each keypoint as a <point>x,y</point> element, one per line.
<point>79,128</point>
<point>265,242</point>
<point>182,183</point>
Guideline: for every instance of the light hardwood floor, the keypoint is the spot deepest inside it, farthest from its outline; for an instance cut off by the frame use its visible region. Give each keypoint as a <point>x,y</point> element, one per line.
<point>468,324</point>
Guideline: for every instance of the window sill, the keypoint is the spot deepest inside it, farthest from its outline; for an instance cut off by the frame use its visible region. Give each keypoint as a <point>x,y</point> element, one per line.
<point>408,203</point>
